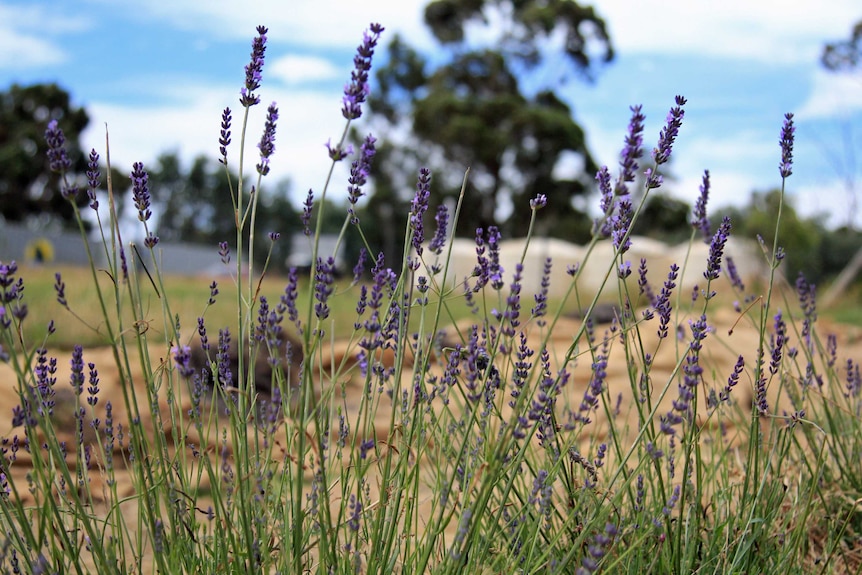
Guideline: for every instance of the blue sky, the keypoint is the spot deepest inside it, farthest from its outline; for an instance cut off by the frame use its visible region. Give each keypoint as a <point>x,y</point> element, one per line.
<point>159,76</point>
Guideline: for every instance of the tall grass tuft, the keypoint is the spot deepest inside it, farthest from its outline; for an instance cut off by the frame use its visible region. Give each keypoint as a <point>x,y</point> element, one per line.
<point>411,443</point>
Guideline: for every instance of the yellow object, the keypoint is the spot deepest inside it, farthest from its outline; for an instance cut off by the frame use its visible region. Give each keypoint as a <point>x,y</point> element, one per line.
<point>39,251</point>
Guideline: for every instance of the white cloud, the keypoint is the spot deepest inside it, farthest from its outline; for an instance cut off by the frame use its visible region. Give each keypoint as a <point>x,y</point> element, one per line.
<point>298,69</point>
<point>774,31</point>
<point>307,119</point>
<point>832,95</point>
<point>830,199</point>
<point>20,49</point>
<point>331,23</point>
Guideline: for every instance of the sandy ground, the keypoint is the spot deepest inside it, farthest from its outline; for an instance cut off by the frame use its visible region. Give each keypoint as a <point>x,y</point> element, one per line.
<point>719,355</point>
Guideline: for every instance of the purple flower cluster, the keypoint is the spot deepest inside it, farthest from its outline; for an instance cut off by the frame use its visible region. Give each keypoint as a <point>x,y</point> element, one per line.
<point>419,207</point>
<point>360,169</point>
<point>94,179</point>
<point>724,395</point>
<point>267,140</point>
<point>441,218</point>
<point>631,153</point>
<point>716,250</point>
<point>776,342</point>
<point>307,208</point>
<point>254,69</point>
<point>692,372</point>
<point>699,218</point>
<point>598,374</point>
<point>11,295</point>
<point>324,276</point>
<point>785,168</point>
<point>58,159</point>
<point>141,196</point>
<point>182,355</point>
<point>807,295</point>
<point>357,90</point>
<point>662,302</point>
<point>661,153</point>
<point>597,550</point>
<point>541,298</point>
<point>224,135</point>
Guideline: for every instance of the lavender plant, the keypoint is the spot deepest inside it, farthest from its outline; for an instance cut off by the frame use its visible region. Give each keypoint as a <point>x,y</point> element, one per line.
<point>429,445</point>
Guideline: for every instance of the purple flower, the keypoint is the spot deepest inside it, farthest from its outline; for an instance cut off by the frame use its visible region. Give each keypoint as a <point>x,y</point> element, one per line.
<point>419,207</point>
<point>699,219</point>
<point>643,283</point>
<point>288,298</point>
<point>225,375</point>
<point>77,363</point>
<point>360,169</point>
<point>724,395</point>
<point>357,90</point>
<point>442,221</point>
<point>141,191</point>
<point>323,277</point>
<point>777,341</point>
<point>267,140</point>
<point>620,223</point>
<point>254,69</point>
<point>359,268</point>
<point>93,179</point>
<point>58,159</point>
<point>513,304</point>
<point>733,274</point>
<point>202,333</point>
<point>661,154</point>
<point>224,252</point>
<point>338,152</point>
<point>307,208</point>
<point>597,550</point>
<point>365,447</point>
<point>182,359</point>
<point>632,151</point>
<point>224,135</point>
<point>539,202</point>
<point>92,384</point>
<point>541,298</point>
<point>760,401</point>
<point>60,288</point>
<point>716,249</point>
<point>785,168</point>
<point>662,303</point>
<point>602,225</point>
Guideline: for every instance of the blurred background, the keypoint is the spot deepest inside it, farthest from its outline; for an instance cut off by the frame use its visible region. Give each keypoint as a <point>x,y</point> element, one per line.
<point>533,96</point>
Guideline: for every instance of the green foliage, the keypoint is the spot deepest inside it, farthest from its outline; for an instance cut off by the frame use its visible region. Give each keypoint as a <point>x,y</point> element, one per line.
<point>664,218</point>
<point>801,238</point>
<point>27,185</point>
<point>472,111</point>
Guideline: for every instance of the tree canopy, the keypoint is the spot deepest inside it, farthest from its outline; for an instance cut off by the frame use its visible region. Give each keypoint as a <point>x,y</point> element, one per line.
<point>489,109</point>
<point>844,55</point>
<point>28,188</point>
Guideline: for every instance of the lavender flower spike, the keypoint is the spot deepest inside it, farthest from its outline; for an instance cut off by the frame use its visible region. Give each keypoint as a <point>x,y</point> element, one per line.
<point>58,160</point>
<point>356,91</point>
<point>267,141</point>
<point>141,191</point>
<point>253,71</point>
<point>631,152</point>
<point>661,154</point>
<point>716,249</point>
<point>419,207</point>
<point>786,141</point>
<point>699,219</point>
